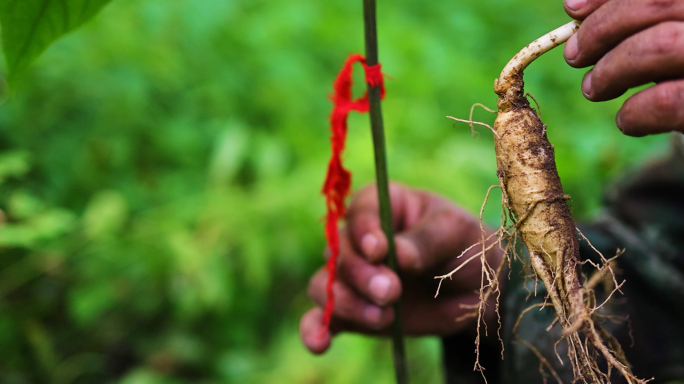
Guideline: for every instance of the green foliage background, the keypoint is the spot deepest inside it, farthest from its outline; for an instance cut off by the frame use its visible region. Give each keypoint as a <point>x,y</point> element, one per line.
<point>160,172</point>
<point>30,26</point>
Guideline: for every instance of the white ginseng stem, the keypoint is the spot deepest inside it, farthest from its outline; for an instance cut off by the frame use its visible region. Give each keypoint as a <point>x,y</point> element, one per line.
<point>537,48</point>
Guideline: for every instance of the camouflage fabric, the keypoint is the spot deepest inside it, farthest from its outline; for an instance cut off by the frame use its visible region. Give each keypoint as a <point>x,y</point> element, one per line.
<point>644,215</point>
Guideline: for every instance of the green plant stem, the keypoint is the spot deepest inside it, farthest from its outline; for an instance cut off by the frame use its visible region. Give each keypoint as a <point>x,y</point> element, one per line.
<point>398,350</point>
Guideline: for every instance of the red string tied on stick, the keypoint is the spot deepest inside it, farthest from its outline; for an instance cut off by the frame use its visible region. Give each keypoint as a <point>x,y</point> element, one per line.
<point>337,183</point>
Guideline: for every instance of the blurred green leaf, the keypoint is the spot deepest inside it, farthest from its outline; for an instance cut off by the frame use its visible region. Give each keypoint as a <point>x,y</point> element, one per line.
<point>13,164</point>
<point>41,344</point>
<point>44,225</point>
<point>88,303</point>
<point>230,151</point>
<point>30,26</point>
<point>22,205</point>
<point>105,214</point>
<point>147,376</point>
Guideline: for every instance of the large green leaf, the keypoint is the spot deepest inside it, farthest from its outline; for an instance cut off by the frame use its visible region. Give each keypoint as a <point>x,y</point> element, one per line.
<point>30,26</point>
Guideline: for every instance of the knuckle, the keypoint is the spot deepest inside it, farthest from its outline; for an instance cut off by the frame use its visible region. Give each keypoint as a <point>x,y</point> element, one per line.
<point>317,284</point>
<point>363,198</point>
<point>445,216</point>
<point>368,191</point>
<point>386,319</point>
<point>667,98</point>
<point>661,5</point>
<point>356,312</point>
<point>462,224</point>
<point>591,33</point>
<point>312,290</point>
<point>342,264</point>
<point>594,29</point>
<point>666,39</point>
<point>344,309</point>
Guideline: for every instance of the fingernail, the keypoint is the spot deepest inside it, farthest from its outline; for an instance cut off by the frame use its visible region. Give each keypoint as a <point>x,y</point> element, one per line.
<point>575,5</point>
<point>618,122</point>
<point>586,85</point>
<point>372,316</point>
<point>408,253</point>
<point>379,287</point>
<point>369,244</point>
<point>571,48</point>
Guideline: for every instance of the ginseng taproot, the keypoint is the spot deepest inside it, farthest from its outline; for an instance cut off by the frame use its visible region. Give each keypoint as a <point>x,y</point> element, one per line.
<point>534,201</point>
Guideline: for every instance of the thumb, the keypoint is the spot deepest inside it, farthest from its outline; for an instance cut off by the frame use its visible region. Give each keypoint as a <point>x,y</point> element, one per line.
<point>314,336</point>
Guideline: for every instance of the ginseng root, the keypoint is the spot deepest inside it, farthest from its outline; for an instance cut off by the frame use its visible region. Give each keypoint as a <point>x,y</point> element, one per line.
<point>534,202</point>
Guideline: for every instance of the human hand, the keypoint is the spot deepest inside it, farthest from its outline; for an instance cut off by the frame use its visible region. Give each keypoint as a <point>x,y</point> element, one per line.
<point>430,233</point>
<point>631,43</point>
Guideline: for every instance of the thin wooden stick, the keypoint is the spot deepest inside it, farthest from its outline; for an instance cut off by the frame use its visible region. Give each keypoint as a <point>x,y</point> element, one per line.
<point>370,29</point>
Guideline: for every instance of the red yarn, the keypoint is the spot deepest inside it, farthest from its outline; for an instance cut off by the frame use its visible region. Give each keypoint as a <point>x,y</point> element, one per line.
<point>338,179</point>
